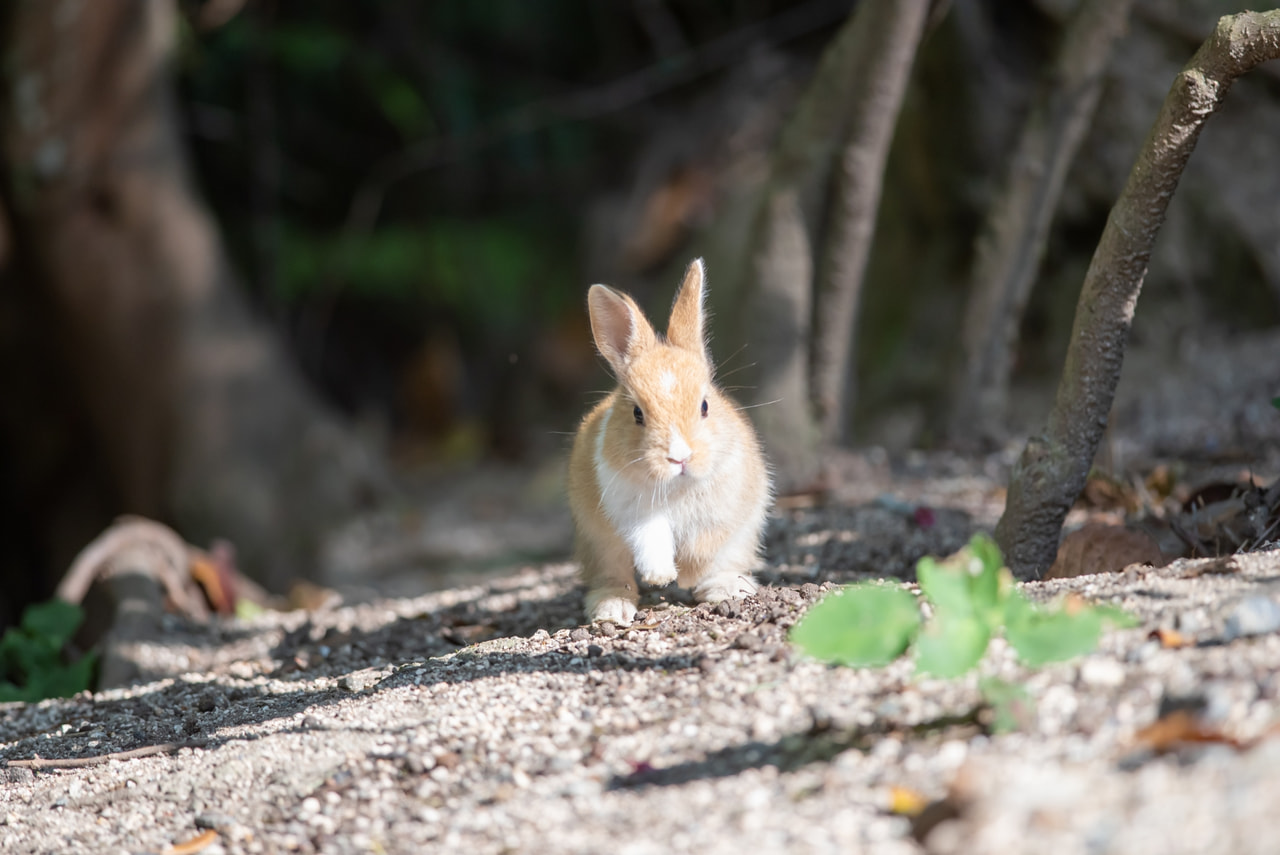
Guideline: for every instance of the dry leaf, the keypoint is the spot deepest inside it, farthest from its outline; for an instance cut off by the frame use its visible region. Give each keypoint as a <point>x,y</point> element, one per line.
<point>1100,548</point>
<point>905,802</point>
<point>1179,729</point>
<point>195,844</point>
<point>1161,482</point>
<point>1110,494</point>
<point>311,597</point>
<point>1171,638</point>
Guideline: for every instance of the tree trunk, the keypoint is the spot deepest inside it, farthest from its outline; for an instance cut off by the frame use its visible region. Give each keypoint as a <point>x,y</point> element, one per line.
<point>1012,241</point>
<point>778,330</point>
<point>779,294</point>
<point>194,410</point>
<point>1054,466</point>
<point>888,33</point>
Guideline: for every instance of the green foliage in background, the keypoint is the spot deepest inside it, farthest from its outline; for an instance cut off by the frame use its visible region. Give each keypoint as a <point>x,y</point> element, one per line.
<point>973,597</point>
<point>483,267</point>
<point>32,665</point>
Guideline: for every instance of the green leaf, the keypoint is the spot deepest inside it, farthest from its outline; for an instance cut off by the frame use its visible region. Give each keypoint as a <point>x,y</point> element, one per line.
<point>9,693</point>
<point>945,584</point>
<point>1010,703</point>
<point>988,587</point>
<point>63,681</point>
<point>864,625</point>
<point>1042,635</point>
<point>31,665</point>
<point>1275,402</point>
<point>55,620</point>
<point>951,644</point>
<point>970,582</point>
<point>308,49</point>
<point>22,653</point>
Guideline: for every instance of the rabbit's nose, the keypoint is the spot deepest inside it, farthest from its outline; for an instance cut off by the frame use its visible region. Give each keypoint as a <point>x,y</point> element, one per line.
<point>678,451</point>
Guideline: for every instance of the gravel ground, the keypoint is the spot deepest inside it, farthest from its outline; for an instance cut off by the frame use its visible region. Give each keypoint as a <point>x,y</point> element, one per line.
<point>485,719</point>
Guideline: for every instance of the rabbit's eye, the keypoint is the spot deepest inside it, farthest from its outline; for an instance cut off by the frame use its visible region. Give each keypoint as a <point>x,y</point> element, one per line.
<point>639,415</point>
<point>704,408</point>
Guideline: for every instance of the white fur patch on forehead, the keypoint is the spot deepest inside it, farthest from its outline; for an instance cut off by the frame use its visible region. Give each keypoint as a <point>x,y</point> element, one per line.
<point>667,380</point>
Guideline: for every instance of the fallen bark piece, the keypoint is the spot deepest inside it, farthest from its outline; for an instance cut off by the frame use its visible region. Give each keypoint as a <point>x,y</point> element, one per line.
<point>1101,548</point>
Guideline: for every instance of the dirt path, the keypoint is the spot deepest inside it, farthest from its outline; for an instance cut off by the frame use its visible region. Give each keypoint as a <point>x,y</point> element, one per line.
<point>370,729</point>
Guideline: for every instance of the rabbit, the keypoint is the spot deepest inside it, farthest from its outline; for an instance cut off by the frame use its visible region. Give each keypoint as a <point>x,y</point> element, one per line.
<point>667,479</point>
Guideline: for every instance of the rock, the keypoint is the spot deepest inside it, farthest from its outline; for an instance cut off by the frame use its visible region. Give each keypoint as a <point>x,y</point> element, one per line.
<point>1254,615</point>
<point>1192,621</point>
<point>1104,673</point>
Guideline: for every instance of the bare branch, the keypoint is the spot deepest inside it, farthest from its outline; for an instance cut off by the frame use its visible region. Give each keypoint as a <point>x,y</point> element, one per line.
<point>1055,464</point>
<point>786,233</point>
<point>143,546</point>
<point>1012,241</point>
<point>887,36</point>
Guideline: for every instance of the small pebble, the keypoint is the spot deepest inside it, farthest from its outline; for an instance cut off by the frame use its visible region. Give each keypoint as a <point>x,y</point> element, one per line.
<point>1104,673</point>
<point>1255,615</point>
<point>1192,621</point>
<point>357,682</point>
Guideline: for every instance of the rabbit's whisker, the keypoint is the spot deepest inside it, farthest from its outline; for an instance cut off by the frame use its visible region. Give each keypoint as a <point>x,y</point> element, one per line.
<point>605,492</point>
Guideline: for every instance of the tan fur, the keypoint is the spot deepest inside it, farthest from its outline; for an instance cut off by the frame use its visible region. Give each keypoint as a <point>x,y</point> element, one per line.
<point>696,519</point>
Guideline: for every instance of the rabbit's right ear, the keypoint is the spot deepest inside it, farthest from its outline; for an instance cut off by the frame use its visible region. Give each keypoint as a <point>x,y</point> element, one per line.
<point>618,326</point>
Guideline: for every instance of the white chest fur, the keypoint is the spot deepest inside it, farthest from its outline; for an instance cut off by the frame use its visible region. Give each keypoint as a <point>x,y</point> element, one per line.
<point>640,515</point>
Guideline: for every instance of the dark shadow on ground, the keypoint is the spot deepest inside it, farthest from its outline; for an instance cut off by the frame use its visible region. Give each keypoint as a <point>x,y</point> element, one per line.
<point>819,743</point>
<point>833,543</point>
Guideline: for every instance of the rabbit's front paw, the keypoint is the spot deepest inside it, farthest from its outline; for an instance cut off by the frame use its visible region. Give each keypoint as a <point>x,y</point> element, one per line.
<point>619,610</point>
<point>658,574</point>
<point>727,587</point>
<point>654,548</point>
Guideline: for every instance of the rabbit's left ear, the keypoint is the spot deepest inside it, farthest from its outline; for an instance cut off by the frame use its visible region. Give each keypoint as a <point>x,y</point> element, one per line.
<point>685,328</point>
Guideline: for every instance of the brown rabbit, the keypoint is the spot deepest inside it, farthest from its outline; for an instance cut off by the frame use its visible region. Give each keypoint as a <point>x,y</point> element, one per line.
<point>666,477</point>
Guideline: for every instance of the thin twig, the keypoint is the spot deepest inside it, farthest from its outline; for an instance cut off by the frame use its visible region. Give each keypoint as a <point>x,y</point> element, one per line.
<point>38,763</point>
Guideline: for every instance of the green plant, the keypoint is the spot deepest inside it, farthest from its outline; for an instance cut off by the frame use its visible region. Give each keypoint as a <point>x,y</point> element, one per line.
<point>32,666</point>
<point>973,597</point>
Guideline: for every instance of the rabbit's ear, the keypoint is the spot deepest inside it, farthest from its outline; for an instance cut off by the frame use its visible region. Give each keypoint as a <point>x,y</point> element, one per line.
<point>618,326</point>
<point>684,330</point>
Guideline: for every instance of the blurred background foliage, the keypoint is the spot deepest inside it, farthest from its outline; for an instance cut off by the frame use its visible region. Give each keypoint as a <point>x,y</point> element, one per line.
<point>416,195</point>
<point>403,185</point>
